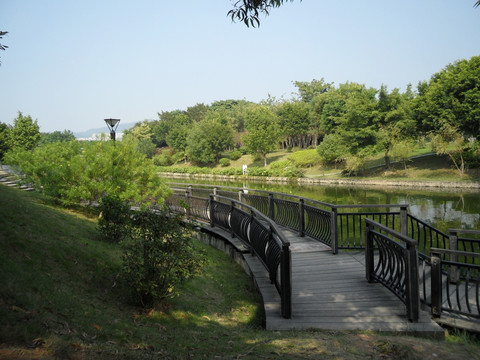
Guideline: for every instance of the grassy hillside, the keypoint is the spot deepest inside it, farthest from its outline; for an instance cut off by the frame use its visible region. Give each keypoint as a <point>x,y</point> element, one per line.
<point>59,298</point>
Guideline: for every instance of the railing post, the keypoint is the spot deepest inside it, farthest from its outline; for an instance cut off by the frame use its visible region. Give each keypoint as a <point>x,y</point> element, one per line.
<point>271,207</point>
<point>190,189</point>
<point>232,206</point>
<point>413,295</point>
<point>211,210</point>
<point>404,220</point>
<point>187,203</point>
<point>334,230</point>
<point>240,196</point>
<point>436,284</point>
<point>286,278</point>
<point>369,259</point>
<point>301,216</point>
<point>453,240</point>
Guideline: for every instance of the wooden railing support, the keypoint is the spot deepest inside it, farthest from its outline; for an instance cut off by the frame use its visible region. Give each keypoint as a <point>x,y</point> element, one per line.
<point>436,284</point>
<point>286,276</point>
<point>453,242</point>
<point>334,230</point>
<point>404,220</point>
<point>271,207</point>
<point>369,258</point>
<point>210,206</point>
<point>301,217</point>
<point>412,282</point>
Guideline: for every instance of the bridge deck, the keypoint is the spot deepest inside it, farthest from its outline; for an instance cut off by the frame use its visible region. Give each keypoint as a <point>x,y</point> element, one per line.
<point>331,292</point>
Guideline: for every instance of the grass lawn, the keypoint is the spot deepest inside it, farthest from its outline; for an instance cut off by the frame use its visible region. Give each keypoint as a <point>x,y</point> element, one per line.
<point>60,299</point>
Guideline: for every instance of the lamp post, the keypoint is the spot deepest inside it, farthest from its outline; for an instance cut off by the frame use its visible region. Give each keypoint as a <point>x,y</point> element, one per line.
<point>112,126</point>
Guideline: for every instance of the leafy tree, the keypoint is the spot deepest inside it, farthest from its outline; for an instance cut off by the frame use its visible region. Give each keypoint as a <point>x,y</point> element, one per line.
<point>451,98</point>
<point>395,119</point>
<point>197,112</point>
<point>332,150</point>
<point>4,139</point>
<point>77,172</point>
<point>177,138</point>
<point>401,151</point>
<point>207,139</point>
<point>248,11</point>
<point>294,120</point>
<point>309,90</point>
<point>56,136</point>
<point>449,141</point>
<point>349,111</point>
<point>262,132</point>
<point>2,46</point>
<point>159,255</point>
<point>142,134</point>
<point>25,133</point>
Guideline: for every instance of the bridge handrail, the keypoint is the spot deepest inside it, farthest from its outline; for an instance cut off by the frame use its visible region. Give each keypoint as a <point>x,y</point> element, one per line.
<point>461,288</point>
<point>395,264</point>
<point>258,232</point>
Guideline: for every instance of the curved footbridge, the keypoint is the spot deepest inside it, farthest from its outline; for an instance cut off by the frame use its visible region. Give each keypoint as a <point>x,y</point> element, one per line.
<point>394,273</point>
<point>328,291</point>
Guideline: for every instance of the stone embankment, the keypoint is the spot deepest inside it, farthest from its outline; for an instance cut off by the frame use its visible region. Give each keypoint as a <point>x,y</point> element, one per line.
<point>433,185</point>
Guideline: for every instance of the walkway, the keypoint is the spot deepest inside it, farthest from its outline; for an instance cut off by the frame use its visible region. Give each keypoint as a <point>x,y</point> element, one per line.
<point>331,292</point>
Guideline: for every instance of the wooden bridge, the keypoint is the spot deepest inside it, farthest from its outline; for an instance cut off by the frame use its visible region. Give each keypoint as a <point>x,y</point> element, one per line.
<point>291,247</point>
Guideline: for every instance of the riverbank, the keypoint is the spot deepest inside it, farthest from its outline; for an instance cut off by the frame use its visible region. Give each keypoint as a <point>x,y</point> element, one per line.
<point>431,185</point>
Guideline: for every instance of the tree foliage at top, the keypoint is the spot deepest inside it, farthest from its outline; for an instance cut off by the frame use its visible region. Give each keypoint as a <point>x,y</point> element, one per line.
<point>25,133</point>
<point>248,11</point>
<point>451,97</point>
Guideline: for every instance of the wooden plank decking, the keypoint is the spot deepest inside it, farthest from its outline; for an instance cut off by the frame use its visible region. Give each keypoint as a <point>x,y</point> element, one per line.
<point>331,292</point>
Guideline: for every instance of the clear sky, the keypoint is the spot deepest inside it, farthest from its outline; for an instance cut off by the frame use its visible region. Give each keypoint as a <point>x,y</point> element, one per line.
<point>70,64</point>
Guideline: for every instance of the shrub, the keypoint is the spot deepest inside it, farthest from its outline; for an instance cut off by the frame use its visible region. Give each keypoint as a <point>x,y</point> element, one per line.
<point>224,162</point>
<point>305,158</point>
<point>114,220</point>
<point>235,155</point>
<point>178,157</point>
<point>243,150</point>
<point>160,254</point>
<point>163,159</point>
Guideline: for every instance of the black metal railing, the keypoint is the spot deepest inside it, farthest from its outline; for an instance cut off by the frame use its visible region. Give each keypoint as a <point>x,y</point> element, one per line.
<point>259,233</point>
<point>338,226</point>
<point>426,237</point>
<point>457,291</point>
<point>391,259</point>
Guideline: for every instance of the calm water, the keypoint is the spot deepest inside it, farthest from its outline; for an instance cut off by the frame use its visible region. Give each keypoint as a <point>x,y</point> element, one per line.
<point>441,208</point>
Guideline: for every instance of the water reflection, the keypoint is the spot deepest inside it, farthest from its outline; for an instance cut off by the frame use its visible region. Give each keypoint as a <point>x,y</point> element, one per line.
<point>442,208</point>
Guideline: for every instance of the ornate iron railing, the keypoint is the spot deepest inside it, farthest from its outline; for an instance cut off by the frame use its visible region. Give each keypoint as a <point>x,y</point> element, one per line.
<point>426,237</point>
<point>457,291</point>
<point>391,259</point>
<point>254,229</point>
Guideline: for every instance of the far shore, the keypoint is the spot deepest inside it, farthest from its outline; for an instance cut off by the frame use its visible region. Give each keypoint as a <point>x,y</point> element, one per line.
<point>431,185</point>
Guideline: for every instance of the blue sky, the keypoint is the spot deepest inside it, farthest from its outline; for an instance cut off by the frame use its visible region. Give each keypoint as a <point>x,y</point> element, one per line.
<point>70,64</point>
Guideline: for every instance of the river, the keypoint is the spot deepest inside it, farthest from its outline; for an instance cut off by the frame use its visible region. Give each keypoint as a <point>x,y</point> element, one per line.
<point>443,209</point>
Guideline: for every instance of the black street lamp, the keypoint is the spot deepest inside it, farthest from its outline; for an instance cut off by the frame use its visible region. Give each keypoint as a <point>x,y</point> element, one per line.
<point>112,126</point>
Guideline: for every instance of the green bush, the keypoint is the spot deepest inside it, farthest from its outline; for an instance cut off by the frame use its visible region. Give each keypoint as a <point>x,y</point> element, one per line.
<point>243,150</point>
<point>224,162</point>
<point>305,158</point>
<point>159,255</point>
<point>163,159</point>
<point>235,155</point>
<point>114,220</point>
<point>178,157</point>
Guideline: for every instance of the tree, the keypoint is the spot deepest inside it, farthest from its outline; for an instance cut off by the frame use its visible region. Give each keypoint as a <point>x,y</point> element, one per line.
<point>56,136</point>
<point>248,11</point>
<point>449,141</point>
<point>294,120</point>
<point>332,150</point>
<point>207,139</point>
<point>25,133</point>
<point>308,90</point>
<point>77,172</point>
<point>177,138</point>
<point>451,98</point>
<point>4,139</point>
<point>262,132</point>
<point>3,47</point>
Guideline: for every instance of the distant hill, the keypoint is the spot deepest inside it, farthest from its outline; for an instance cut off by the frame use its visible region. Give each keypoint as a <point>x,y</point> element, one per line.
<point>89,133</point>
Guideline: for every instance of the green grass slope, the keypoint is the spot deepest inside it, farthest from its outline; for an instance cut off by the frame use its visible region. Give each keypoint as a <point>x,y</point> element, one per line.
<point>60,299</point>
